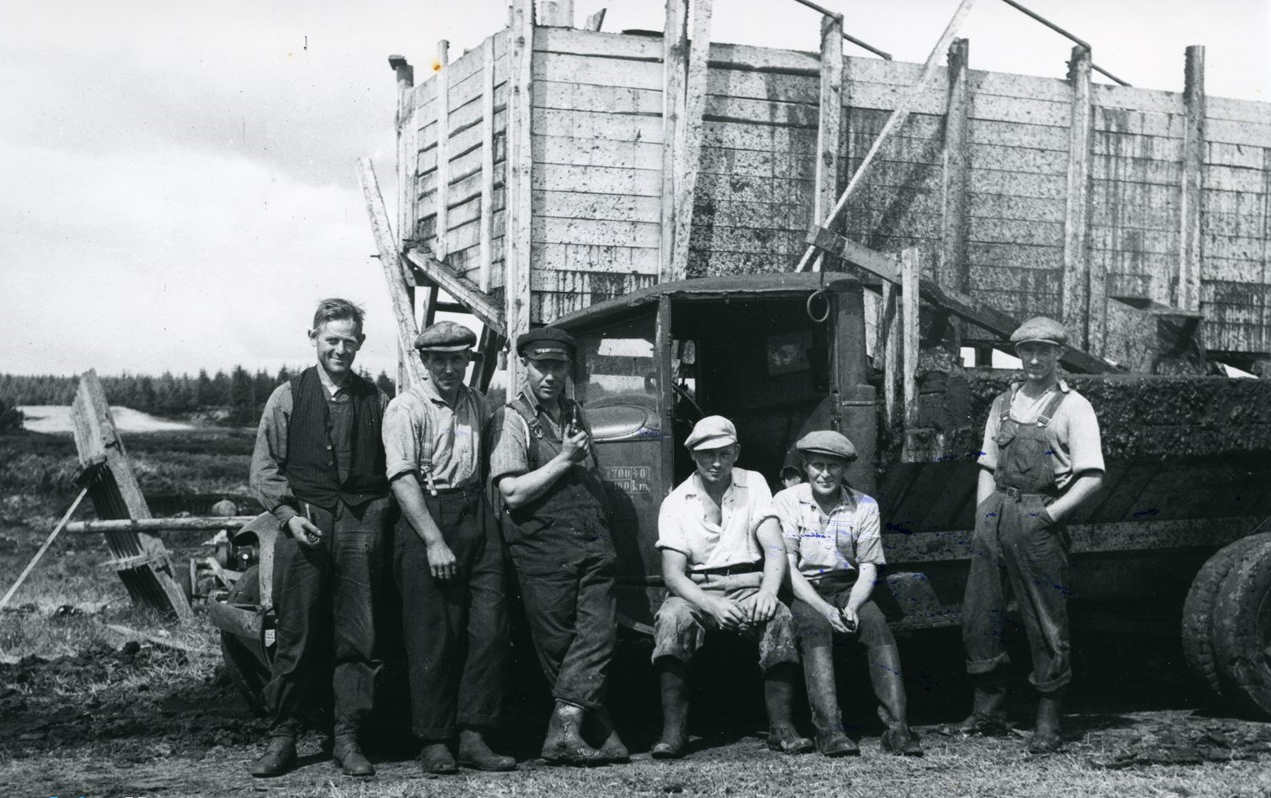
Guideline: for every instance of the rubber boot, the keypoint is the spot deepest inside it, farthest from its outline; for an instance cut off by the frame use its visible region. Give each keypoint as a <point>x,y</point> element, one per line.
<point>988,713</point>
<point>348,755</point>
<point>673,679</point>
<point>818,675</point>
<point>475,753</point>
<point>612,749</point>
<point>778,688</point>
<point>1045,739</point>
<point>889,689</point>
<point>564,744</point>
<point>279,757</point>
<point>437,759</point>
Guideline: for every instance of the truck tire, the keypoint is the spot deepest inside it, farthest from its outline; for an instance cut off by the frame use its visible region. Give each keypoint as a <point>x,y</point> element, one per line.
<point>247,673</point>
<point>1242,630</point>
<point>1198,612</point>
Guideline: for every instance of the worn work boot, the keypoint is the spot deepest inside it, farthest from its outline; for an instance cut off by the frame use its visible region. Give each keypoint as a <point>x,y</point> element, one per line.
<point>279,758</point>
<point>988,714</point>
<point>889,689</point>
<point>778,689</point>
<point>612,749</point>
<point>1045,739</point>
<point>348,755</point>
<point>436,758</point>
<point>818,674</point>
<point>564,744</point>
<point>673,679</point>
<point>476,754</point>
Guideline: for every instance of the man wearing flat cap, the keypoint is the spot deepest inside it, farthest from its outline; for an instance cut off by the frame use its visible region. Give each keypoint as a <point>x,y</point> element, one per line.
<point>547,475</point>
<point>447,558</point>
<point>833,540</point>
<point>724,563</point>
<point>1041,460</point>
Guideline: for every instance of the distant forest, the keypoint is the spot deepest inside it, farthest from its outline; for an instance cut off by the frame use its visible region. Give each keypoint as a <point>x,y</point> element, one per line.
<point>235,398</point>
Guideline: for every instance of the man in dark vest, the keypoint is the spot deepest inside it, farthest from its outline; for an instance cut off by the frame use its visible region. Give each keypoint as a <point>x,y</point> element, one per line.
<point>318,467</point>
<point>549,480</point>
<point>1041,460</point>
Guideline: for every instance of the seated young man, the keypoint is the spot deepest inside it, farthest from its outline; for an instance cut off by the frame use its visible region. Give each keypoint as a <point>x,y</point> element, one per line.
<point>832,538</point>
<point>723,562</point>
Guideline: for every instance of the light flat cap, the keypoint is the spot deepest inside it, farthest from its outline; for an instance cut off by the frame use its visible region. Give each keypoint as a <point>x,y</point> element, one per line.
<point>826,441</point>
<point>445,336</point>
<point>546,343</point>
<point>712,432</point>
<point>1040,328</point>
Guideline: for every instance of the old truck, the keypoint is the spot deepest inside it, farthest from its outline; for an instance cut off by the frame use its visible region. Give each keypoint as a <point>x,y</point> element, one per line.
<point>807,240</point>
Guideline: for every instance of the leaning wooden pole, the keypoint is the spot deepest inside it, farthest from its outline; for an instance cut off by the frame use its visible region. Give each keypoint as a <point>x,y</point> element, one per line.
<point>894,123</point>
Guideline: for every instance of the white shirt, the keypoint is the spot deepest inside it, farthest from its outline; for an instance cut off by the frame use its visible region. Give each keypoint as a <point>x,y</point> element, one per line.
<point>683,524</point>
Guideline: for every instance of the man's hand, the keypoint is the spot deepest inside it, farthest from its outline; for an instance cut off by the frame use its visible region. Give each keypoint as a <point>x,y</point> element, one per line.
<point>850,621</point>
<point>574,447</point>
<point>303,531</point>
<point>727,613</point>
<point>441,561</point>
<point>835,617</point>
<point>760,608</point>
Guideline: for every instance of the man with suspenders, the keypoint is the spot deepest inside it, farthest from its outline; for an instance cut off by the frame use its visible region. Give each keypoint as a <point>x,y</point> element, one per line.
<point>1040,461</point>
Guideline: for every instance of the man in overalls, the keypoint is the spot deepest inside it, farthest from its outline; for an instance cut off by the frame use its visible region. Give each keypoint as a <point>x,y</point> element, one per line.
<point>544,468</point>
<point>448,558</point>
<point>1041,460</point>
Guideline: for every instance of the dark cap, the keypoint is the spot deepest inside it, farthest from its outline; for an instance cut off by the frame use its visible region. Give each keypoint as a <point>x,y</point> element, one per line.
<point>1040,328</point>
<point>546,343</point>
<point>826,441</point>
<point>445,336</point>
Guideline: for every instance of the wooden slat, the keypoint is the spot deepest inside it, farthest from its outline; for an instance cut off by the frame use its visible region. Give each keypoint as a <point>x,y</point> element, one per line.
<point>1012,109</point>
<point>589,43</point>
<point>1014,134</point>
<point>592,124</point>
<point>597,71</point>
<point>1024,87</point>
<point>613,207</point>
<point>1238,110</point>
<point>606,99</point>
<point>1134,99</point>
<point>585,151</point>
<point>910,272</point>
<point>596,259</point>
<point>598,180</point>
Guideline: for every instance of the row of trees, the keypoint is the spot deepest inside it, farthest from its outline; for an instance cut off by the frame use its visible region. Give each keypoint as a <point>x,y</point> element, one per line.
<point>238,396</point>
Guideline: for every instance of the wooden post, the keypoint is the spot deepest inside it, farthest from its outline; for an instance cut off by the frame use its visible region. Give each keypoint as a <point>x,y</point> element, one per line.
<point>953,239</point>
<point>910,272</point>
<point>595,21</point>
<point>829,124</point>
<point>674,63</point>
<point>689,147</point>
<point>407,174</point>
<point>1187,290</point>
<point>1079,305</point>
<point>557,14</point>
<point>486,249</point>
<point>442,195</point>
<point>889,344</point>
<point>519,208</point>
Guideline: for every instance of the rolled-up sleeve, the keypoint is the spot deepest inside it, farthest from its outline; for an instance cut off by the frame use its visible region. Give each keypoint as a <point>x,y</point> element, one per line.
<point>670,531</point>
<point>988,448</point>
<point>269,457</point>
<point>509,450</point>
<point>1085,447</point>
<point>403,430</point>
<point>785,508</point>
<point>869,542</point>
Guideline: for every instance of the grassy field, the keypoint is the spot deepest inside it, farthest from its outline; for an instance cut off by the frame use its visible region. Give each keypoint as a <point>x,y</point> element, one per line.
<point>88,711</point>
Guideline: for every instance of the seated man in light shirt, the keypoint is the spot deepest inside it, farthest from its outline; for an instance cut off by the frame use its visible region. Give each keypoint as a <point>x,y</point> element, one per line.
<point>724,563</point>
<point>832,538</point>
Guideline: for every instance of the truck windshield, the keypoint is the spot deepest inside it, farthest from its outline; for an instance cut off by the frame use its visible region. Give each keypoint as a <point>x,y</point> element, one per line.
<point>617,360</point>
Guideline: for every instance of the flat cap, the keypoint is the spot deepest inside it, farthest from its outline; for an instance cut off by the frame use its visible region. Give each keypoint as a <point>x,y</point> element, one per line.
<point>1040,328</point>
<point>546,343</point>
<point>826,441</point>
<point>712,432</point>
<point>445,336</point>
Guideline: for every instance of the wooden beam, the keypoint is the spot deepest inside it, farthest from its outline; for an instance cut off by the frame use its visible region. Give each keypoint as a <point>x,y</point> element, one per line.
<point>188,524</point>
<point>519,204</point>
<point>390,262</point>
<point>894,123</point>
<point>829,122</point>
<point>889,346</point>
<point>486,244</point>
<point>1079,305</point>
<point>1187,291</point>
<point>910,274</point>
<point>595,21</point>
<point>477,302</point>
<point>957,303</point>
<point>956,162</point>
<point>442,195</point>
<point>689,147</point>
<point>674,64</point>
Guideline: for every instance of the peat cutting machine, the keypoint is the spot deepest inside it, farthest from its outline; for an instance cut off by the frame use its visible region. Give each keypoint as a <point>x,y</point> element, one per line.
<point>801,240</point>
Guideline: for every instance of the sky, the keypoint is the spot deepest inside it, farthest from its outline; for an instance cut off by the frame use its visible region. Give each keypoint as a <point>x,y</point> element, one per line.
<point>179,184</point>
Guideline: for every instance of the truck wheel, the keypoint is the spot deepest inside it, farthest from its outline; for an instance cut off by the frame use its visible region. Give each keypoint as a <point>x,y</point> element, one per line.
<point>248,674</point>
<point>1198,611</point>
<point>1242,629</point>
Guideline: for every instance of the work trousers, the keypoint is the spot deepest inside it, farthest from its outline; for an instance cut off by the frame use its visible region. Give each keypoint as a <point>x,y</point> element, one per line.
<point>455,630</point>
<point>1015,548</point>
<point>322,597</point>
<point>814,629</point>
<point>680,626</point>
<point>567,589</point>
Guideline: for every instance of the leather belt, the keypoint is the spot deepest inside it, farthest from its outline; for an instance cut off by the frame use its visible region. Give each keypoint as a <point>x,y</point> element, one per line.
<point>732,570</point>
<point>1017,494</point>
